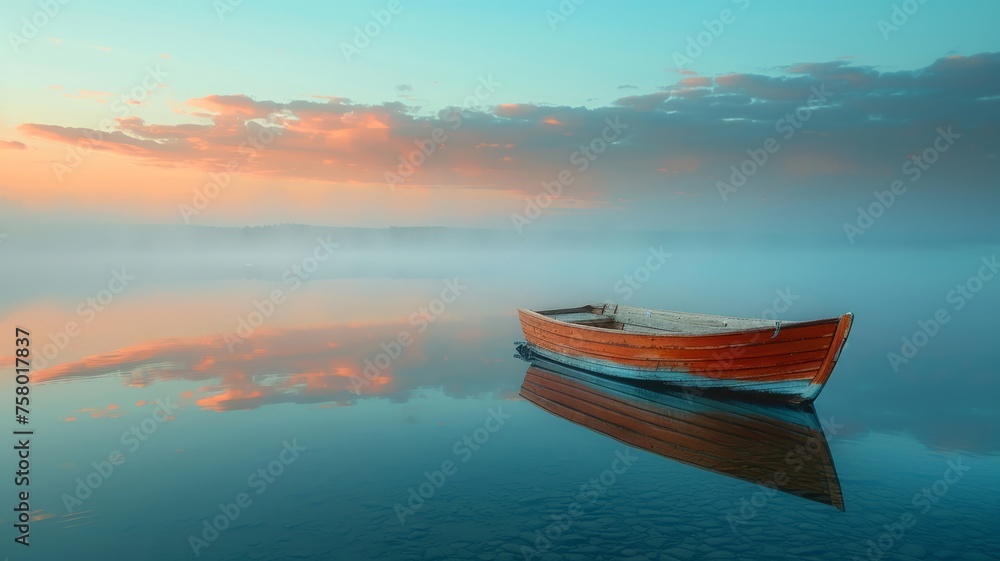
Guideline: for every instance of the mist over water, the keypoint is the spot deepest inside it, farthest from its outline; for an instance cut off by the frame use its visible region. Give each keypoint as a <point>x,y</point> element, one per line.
<point>433,322</point>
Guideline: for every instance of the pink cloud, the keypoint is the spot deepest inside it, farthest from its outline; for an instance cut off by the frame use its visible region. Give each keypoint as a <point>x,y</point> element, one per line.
<point>515,110</point>
<point>99,96</point>
<point>709,120</point>
<point>696,82</point>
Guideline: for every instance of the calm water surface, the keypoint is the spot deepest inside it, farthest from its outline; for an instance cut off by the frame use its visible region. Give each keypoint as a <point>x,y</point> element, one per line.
<point>278,435</point>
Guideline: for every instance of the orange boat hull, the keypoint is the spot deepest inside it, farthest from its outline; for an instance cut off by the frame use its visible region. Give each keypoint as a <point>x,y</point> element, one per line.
<point>791,362</point>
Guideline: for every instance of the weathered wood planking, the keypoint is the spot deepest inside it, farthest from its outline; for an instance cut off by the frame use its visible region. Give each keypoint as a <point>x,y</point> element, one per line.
<point>792,360</point>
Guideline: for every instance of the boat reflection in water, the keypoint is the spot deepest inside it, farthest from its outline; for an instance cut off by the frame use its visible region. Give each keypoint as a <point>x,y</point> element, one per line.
<point>782,447</point>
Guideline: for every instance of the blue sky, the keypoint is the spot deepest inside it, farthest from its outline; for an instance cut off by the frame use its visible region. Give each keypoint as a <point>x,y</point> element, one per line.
<point>282,51</point>
<point>279,63</point>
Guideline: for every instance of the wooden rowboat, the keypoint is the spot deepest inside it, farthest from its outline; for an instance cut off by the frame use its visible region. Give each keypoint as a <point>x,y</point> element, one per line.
<point>779,446</point>
<point>788,360</point>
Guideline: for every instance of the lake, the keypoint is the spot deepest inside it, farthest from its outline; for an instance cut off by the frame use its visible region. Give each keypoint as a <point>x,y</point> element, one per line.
<point>313,404</point>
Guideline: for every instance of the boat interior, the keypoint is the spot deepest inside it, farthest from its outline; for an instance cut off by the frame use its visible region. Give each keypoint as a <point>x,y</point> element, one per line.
<point>616,317</point>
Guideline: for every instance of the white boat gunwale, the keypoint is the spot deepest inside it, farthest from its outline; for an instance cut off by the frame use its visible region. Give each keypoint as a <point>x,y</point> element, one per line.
<point>758,326</point>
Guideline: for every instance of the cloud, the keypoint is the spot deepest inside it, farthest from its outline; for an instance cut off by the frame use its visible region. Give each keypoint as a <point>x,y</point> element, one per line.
<point>12,145</point>
<point>404,88</point>
<point>99,96</point>
<point>696,82</point>
<point>628,87</point>
<point>294,365</point>
<point>695,128</point>
<point>647,102</point>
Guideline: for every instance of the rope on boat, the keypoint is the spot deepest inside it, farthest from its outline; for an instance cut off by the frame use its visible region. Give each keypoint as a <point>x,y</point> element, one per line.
<point>523,351</point>
<point>777,329</point>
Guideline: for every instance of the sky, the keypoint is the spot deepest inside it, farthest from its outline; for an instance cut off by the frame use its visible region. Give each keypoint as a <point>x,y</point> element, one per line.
<point>727,114</point>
